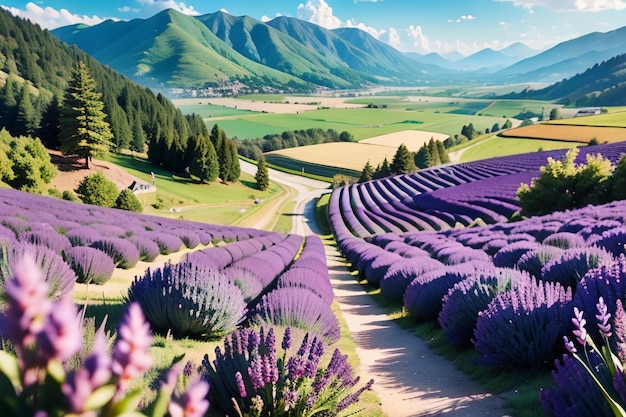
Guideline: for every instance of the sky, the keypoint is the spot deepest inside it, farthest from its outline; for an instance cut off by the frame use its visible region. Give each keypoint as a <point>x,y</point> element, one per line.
<point>421,26</point>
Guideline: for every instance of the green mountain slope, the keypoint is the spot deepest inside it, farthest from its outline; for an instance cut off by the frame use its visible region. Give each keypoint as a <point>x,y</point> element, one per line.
<point>601,85</point>
<point>264,44</point>
<point>171,49</point>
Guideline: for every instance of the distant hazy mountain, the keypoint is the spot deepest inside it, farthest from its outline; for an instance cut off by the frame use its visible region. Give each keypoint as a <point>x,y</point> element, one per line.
<point>601,85</point>
<point>432,58</point>
<point>568,58</point>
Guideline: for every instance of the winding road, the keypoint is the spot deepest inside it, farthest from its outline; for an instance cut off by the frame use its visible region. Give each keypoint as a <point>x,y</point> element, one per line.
<point>410,379</point>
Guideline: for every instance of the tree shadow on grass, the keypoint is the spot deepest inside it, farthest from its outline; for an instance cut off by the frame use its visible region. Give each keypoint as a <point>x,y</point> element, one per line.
<point>113,313</point>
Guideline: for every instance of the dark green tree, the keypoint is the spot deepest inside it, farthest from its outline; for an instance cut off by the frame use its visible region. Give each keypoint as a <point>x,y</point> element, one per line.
<point>403,161</point>
<point>367,173</point>
<point>235,169</point>
<point>27,119</point>
<point>49,126</point>
<point>421,157</point>
<point>203,163</point>
<point>98,190</point>
<point>382,171</point>
<point>127,200</point>
<point>617,182</point>
<point>495,127</point>
<point>346,137</point>
<point>433,153</point>
<point>30,162</point>
<point>262,175</point>
<point>508,124</point>
<point>555,114</point>
<point>9,96</point>
<point>84,130</point>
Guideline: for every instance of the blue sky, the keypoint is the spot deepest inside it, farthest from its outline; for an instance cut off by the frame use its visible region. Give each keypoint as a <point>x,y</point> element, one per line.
<point>421,26</point>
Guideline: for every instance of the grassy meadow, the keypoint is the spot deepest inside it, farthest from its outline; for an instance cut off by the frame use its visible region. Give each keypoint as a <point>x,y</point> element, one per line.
<point>569,132</point>
<point>500,146</point>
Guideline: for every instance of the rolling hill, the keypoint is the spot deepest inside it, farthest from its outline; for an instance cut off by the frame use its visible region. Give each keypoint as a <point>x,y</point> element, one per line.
<point>603,84</point>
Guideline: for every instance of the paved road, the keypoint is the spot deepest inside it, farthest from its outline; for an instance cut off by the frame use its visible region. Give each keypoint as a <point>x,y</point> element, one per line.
<point>410,379</point>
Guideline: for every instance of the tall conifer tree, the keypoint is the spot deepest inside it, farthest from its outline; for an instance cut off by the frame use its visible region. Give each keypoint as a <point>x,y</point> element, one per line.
<point>262,176</point>
<point>84,130</point>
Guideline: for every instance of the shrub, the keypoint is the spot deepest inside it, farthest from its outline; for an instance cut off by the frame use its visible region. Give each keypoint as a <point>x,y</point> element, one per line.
<point>249,378</point>
<point>82,236</point>
<point>467,298</point>
<point>148,250</point>
<point>297,307</point>
<point>59,276</point>
<point>534,260</point>
<point>45,334</point>
<point>612,240</point>
<point>189,301</point>
<point>96,189</point>
<point>376,269</point>
<point>249,283</point>
<point>167,243</point>
<point>314,280</point>
<point>565,240</point>
<point>402,273</point>
<point>70,196</point>
<point>92,266</point>
<point>522,328</point>
<point>127,200</point>
<point>124,254</point>
<point>48,238</point>
<point>509,255</point>
<point>573,264</point>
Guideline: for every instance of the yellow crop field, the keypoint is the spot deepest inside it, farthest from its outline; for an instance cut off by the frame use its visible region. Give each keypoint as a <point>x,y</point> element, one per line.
<point>412,139</point>
<point>568,133</point>
<point>347,155</point>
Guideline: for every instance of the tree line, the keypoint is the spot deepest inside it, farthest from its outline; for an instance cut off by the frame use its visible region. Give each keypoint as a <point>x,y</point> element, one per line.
<point>254,148</point>
<point>430,154</point>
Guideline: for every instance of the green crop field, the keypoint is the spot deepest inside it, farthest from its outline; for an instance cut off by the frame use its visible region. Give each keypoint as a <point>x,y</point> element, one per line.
<point>362,123</point>
<point>211,110</point>
<point>615,117</point>
<point>511,108</point>
<point>499,146</point>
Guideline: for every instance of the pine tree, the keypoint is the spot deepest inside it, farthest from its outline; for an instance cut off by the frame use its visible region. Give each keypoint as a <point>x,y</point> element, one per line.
<point>403,161</point>
<point>203,163</point>
<point>262,176</point>
<point>225,160</point>
<point>84,130</point>
<point>235,169</point>
<point>367,173</point>
<point>382,170</point>
<point>421,157</point>
<point>443,153</point>
<point>433,153</point>
<point>26,118</point>
<point>49,126</point>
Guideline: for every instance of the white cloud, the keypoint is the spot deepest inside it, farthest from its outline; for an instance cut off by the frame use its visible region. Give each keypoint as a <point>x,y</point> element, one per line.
<point>154,6</point>
<point>265,18</point>
<point>419,41</point>
<point>464,18</point>
<point>571,5</point>
<point>320,13</point>
<point>393,38</point>
<point>50,18</point>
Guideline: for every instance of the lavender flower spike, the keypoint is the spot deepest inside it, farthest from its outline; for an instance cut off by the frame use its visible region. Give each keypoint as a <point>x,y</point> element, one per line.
<point>241,385</point>
<point>579,322</point>
<point>193,402</point>
<point>569,345</point>
<point>61,336</point>
<point>130,354</point>
<point>28,307</point>
<point>603,317</point>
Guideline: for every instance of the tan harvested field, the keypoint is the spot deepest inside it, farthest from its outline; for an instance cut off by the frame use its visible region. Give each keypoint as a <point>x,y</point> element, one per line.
<point>351,155</point>
<point>412,139</point>
<point>568,133</point>
<point>291,105</point>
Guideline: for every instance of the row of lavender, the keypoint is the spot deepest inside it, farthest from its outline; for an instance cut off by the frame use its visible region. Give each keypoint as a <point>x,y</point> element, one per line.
<point>93,241</point>
<point>507,289</point>
<point>261,281</point>
<point>445,197</point>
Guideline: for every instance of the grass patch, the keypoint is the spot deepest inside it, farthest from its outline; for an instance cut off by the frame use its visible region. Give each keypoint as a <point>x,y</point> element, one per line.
<point>321,214</point>
<point>497,146</point>
<point>284,220</point>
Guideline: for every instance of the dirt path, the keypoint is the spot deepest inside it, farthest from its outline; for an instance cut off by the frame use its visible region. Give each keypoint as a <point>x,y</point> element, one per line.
<point>410,379</point>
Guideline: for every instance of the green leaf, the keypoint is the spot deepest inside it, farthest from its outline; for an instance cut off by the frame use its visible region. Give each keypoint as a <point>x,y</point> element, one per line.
<point>128,404</point>
<point>56,371</point>
<point>100,397</point>
<point>10,369</point>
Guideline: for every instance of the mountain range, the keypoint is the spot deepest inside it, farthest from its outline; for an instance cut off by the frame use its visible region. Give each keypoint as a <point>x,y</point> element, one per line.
<point>173,50</point>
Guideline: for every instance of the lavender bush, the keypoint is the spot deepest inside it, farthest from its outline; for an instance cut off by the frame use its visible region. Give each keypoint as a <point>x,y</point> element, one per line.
<point>45,333</point>
<point>124,254</point>
<point>573,264</point>
<point>565,240</point>
<point>300,308</point>
<point>521,328</point>
<point>148,249</point>
<point>533,261</point>
<point>463,302</point>
<point>92,266</point>
<point>187,300</point>
<point>250,378</point>
<point>48,237</point>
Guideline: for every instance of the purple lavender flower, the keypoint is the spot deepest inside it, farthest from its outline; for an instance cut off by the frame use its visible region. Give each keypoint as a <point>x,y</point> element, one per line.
<point>290,398</point>
<point>286,344</point>
<point>94,372</point>
<point>28,307</point>
<point>569,345</point>
<point>130,354</point>
<point>61,336</point>
<point>193,402</point>
<point>603,317</point>
<point>240,385</point>
<point>579,323</point>
<point>255,372</point>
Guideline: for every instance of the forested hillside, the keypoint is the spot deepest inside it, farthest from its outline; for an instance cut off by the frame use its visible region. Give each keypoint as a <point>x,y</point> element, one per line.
<point>601,85</point>
<point>35,68</point>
